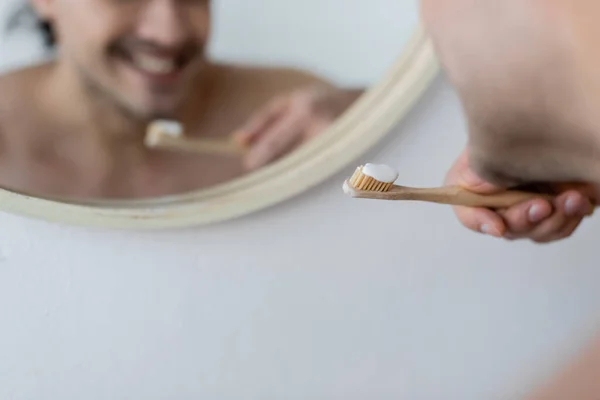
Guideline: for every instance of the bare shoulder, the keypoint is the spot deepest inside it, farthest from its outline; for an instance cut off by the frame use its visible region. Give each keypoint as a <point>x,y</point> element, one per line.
<point>18,91</point>
<point>288,78</point>
<point>24,78</point>
<point>19,94</point>
<point>274,80</point>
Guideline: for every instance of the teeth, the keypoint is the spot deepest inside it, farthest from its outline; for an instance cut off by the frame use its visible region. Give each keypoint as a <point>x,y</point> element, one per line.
<point>154,65</point>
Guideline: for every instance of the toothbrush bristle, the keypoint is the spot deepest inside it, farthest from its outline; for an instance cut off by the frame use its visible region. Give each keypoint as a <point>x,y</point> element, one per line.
<point>362,182</point>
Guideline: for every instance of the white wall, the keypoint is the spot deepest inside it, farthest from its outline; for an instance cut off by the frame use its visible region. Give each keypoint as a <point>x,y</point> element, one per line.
<point>20,47</point>
<point>297,301</point>
<point>352,42</point>
<point>354,45</point>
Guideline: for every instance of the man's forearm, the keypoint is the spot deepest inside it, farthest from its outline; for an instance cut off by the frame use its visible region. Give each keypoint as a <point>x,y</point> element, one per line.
<point>580,381</point>
<point>527,74</point>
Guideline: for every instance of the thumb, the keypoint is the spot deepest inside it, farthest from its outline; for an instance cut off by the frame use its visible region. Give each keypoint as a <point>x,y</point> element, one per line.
<point>260,122</point>
<point>468,179</point>
<point>461,174</point>
<point>476,219</point>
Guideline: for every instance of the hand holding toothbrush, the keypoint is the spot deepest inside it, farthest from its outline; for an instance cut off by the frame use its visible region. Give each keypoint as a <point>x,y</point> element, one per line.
<point>289,121</point>
<point>538,220</point>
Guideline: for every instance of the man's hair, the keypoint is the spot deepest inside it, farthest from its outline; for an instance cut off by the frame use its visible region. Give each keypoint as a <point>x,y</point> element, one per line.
<point>25,15</point>
<point>47,32</point>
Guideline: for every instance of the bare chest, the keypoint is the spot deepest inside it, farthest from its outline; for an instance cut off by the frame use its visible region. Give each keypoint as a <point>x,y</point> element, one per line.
<point>56,161</point>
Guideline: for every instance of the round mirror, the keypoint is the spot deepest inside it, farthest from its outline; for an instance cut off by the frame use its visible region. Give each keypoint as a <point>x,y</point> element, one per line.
<point>159,113</point>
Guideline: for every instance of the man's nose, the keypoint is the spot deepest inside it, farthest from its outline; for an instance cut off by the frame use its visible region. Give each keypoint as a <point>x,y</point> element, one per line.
<point>163,22</point>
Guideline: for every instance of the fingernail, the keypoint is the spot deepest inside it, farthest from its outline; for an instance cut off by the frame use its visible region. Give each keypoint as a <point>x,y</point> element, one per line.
<point>537,213</point>
<point>490,230</point>
<point>572,206</point>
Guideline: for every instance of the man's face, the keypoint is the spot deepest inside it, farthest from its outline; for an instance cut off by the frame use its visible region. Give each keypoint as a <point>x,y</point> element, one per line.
<point>143,54</point>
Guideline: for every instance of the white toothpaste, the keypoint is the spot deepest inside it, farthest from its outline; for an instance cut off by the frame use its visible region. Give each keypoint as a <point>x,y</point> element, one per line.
<point>167,127</point>
<point>380,172</point>
<point>346,188</point>
<point>160,128</point>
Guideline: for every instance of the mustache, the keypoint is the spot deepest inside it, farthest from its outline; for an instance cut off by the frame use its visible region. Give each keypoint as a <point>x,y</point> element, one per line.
<point>186,50</point>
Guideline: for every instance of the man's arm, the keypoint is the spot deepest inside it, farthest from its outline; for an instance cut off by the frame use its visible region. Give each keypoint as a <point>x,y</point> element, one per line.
<point>580,381</point>
<point>528,76</point>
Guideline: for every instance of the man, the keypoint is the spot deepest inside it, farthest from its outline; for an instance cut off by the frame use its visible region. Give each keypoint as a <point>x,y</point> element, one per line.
<point>74,127</point>
<point>527,75</point>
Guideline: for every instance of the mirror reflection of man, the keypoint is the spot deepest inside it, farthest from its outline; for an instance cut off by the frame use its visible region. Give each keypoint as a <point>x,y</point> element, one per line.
<point>74,126</point>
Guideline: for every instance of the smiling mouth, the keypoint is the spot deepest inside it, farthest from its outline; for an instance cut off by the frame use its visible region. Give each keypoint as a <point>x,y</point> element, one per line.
<point>156,65</point>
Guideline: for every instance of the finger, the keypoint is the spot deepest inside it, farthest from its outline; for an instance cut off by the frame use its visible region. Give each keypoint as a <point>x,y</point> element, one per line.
<point>524,217</point>
<point>574,204</point>
<point>587,190</point>
<point>260,122</point>
<point>316,128</point>
<point>554,229</point>
<point>571,208</point>
<point>481,220</point>
<point>571,227</point>
<point>272,144</point>
<point>568,230</point>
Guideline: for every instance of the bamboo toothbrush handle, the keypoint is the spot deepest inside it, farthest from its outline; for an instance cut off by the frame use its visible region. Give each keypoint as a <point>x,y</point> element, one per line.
<point>457,196</point>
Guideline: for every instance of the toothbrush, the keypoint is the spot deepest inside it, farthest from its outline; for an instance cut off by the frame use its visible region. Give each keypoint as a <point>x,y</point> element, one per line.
<point>169,135</point>
<point>373,181</point>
